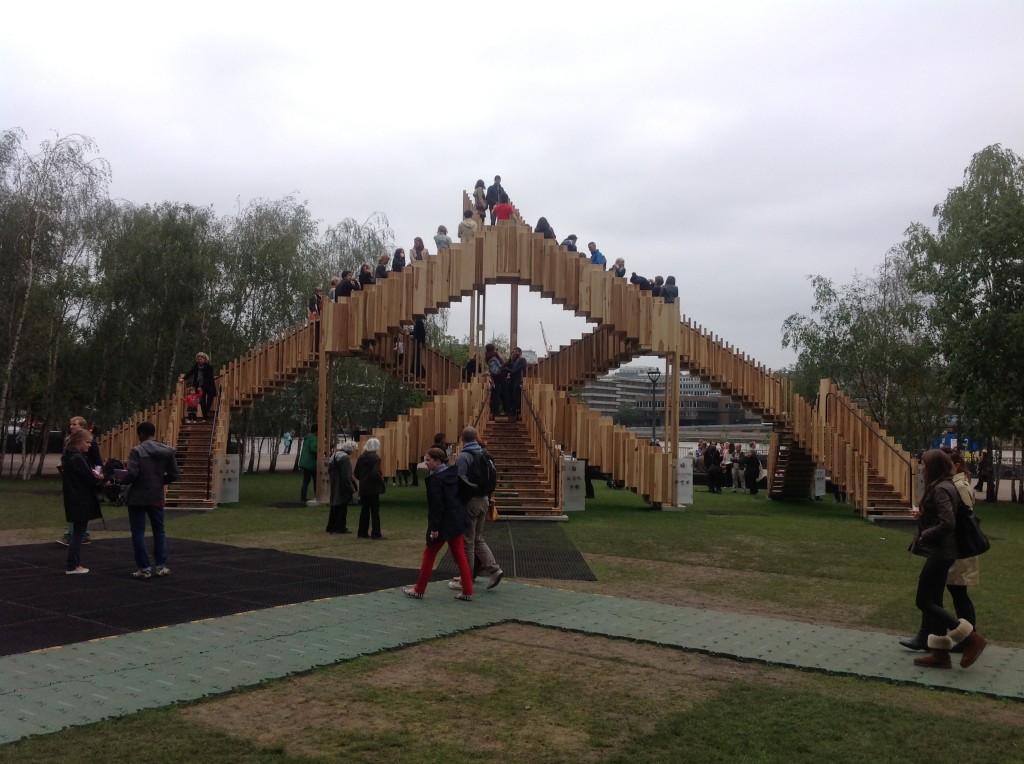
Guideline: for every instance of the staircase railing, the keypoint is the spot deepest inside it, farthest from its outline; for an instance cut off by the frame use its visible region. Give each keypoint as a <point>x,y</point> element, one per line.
<point>537,432</point>
<point>869,442</point>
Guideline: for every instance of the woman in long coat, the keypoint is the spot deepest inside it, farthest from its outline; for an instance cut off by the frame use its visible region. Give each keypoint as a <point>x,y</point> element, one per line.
<point>935,540</point>
<point>79,483</point>
<point>371,486</point>
<point>343,487</point>
<point>204,381</point>
<point>307,463</point>
<point>447,522</point>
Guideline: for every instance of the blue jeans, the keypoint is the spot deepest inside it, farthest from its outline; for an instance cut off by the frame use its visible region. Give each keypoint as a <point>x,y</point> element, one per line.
<point>78,531</point>
<point>137,520</point>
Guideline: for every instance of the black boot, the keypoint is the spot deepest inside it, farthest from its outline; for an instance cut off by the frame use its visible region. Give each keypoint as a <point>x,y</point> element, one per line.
<point>917,642</point>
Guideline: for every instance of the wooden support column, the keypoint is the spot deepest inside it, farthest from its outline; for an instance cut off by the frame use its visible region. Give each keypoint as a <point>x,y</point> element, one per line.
<point>672,380</point>
<point>324,436</point>
<point>513,327</point>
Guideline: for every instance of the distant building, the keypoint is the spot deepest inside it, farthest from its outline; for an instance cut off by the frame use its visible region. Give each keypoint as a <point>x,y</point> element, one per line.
<point>699,403</point>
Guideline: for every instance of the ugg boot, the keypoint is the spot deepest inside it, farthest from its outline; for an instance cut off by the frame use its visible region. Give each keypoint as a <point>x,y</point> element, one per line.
<point>935,659</point>
<point>973,646</point>
<point>961,631</point>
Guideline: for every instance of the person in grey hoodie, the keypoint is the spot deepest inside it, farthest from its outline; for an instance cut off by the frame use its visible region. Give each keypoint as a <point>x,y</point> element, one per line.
<point>151,466</point>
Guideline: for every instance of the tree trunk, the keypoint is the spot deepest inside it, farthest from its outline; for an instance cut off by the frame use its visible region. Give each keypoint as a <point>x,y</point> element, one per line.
<point>20,324</point>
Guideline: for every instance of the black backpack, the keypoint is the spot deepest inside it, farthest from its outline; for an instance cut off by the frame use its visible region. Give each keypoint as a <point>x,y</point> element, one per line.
<point>482,474</point>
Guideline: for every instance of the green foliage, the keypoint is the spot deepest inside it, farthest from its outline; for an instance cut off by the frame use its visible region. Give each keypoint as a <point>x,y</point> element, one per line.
<point>872,337</point>
<point>629,415</point>
<point>972,267</point>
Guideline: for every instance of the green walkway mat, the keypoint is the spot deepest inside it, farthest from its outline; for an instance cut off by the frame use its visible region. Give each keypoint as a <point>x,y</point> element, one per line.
<point>50,689</point>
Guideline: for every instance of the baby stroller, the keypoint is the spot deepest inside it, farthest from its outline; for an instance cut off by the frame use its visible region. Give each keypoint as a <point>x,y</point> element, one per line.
<point>114,488</point>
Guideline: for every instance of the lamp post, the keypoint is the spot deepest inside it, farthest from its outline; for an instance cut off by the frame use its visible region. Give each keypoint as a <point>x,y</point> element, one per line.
<point>654,375</point>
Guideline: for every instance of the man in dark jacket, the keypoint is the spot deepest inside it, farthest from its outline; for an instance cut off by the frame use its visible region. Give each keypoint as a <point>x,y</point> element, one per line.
<point>514,370</point>
<point>495,195</point>
<point>151,466</point>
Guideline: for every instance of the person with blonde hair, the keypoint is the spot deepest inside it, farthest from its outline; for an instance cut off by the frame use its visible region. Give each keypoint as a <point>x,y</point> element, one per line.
<point>93,459</point>
<point>79,484</point>
<point>371,486</point>
<point>343,487</point>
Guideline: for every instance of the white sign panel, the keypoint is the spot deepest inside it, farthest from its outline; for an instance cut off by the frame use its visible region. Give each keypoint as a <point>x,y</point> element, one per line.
<point>226,470</point>
<point>574,488</point>
<point>684,481</point>
<point>819,482</point>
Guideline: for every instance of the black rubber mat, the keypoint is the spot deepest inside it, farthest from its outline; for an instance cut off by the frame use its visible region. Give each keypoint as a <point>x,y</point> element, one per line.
<point>41,607</point>
<point>530,550</point>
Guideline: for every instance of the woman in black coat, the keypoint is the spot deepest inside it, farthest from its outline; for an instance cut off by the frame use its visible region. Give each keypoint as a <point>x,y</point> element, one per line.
<point>203,380</point>
<point>79,483</point>
<point>751,470</point>
<point>371,486</point>
<point>447,521</point>
<point>935,540</point>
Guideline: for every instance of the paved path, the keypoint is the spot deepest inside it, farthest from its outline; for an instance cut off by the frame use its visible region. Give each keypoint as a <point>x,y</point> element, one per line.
<point>59,687</point>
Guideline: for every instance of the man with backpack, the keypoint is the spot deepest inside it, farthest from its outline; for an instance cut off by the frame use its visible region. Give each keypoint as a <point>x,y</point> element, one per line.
<point>477,480</point>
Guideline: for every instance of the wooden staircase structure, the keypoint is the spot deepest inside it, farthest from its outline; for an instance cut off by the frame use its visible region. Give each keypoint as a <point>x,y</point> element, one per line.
<point>525,490</point>
<point>832,433</point>
<point>195,464</point>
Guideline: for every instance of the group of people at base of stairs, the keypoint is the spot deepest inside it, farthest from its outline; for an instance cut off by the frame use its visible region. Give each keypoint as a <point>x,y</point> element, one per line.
<point>732,461</point>
<point>151,466</point>
<point>457,507</point>
<point>506,380</point>
<point>947,500</point>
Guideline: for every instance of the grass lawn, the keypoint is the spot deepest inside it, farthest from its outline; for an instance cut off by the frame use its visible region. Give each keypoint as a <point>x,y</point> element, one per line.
<point>523,693</point>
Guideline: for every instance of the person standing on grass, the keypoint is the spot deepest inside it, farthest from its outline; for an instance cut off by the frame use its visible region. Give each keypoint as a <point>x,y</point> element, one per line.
<point>371,486</point>
<point>343,487</point>
<point>935,540</point>
<point>151,466</point>
<point>447,522</point>
<point>752,469</point>
<point>79,482</point>
<point>307,463</point>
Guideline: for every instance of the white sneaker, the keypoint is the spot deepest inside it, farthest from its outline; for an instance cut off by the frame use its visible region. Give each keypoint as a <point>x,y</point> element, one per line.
<point>456,584</point>
<point>312,503</point>
<point>495,578</point>
<point>77,571</point>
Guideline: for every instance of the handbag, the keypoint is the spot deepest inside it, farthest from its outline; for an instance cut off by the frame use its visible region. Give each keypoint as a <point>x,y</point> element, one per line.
<point>970,539</point>
<point>492,512</point>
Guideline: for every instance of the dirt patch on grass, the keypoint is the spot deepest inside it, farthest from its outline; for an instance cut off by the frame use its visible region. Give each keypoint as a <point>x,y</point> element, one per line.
<point>548,695</point>
<point>542,694</point>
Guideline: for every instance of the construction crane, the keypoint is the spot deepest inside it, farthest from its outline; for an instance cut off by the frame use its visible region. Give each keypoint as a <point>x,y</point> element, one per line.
<point>547,347</point>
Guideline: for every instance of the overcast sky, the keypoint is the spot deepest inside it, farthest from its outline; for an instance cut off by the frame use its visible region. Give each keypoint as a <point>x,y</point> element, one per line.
<point>739,146</point>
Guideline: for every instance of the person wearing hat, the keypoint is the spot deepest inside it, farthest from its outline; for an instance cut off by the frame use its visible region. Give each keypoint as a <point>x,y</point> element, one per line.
<point>203,380</point>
